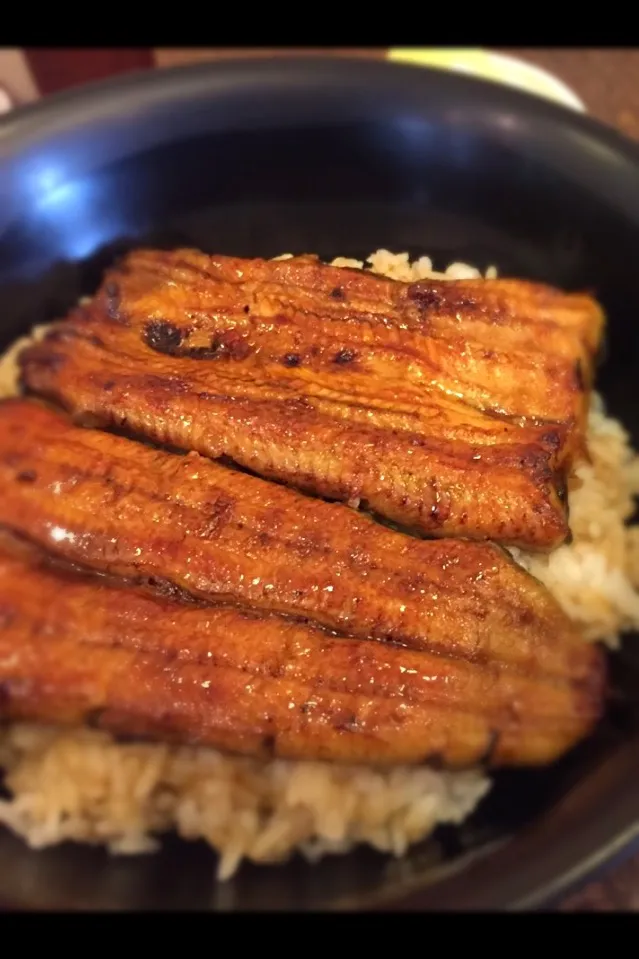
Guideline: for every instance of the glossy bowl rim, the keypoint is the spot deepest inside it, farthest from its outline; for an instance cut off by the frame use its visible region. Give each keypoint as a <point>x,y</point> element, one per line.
<point>99,101</point>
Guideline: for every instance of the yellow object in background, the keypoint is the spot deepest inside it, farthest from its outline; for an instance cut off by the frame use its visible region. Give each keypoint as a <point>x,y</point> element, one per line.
<point>491,66</point>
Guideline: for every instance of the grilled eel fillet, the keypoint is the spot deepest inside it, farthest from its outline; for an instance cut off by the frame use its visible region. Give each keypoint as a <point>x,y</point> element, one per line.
<point>84,650</point>
<point>454,408</point>
<point>192,525</point>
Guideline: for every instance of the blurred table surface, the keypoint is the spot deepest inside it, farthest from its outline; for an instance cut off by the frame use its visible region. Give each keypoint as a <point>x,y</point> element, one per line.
<point>607,80</point>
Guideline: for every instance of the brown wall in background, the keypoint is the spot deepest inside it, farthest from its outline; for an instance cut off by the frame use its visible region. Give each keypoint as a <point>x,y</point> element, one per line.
<point>58,69</point>
<point>55,69</point>
<point>174,56</point>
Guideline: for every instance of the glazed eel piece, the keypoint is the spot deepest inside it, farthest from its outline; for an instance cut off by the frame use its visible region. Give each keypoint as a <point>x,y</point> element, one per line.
<point>78,649</point>
<point>414,454</point>
<point>511,492</point>
<point>182,521</point>
<point>395,329</point>
<point>453,408</point>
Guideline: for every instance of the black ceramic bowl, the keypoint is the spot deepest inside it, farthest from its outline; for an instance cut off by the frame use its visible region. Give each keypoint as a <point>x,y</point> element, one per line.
<point>257,158</point>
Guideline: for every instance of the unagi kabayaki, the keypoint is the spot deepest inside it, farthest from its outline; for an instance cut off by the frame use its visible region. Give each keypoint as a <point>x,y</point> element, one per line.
<point>454,408</point>
<point>84,650</point>
<point>192,525</point>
